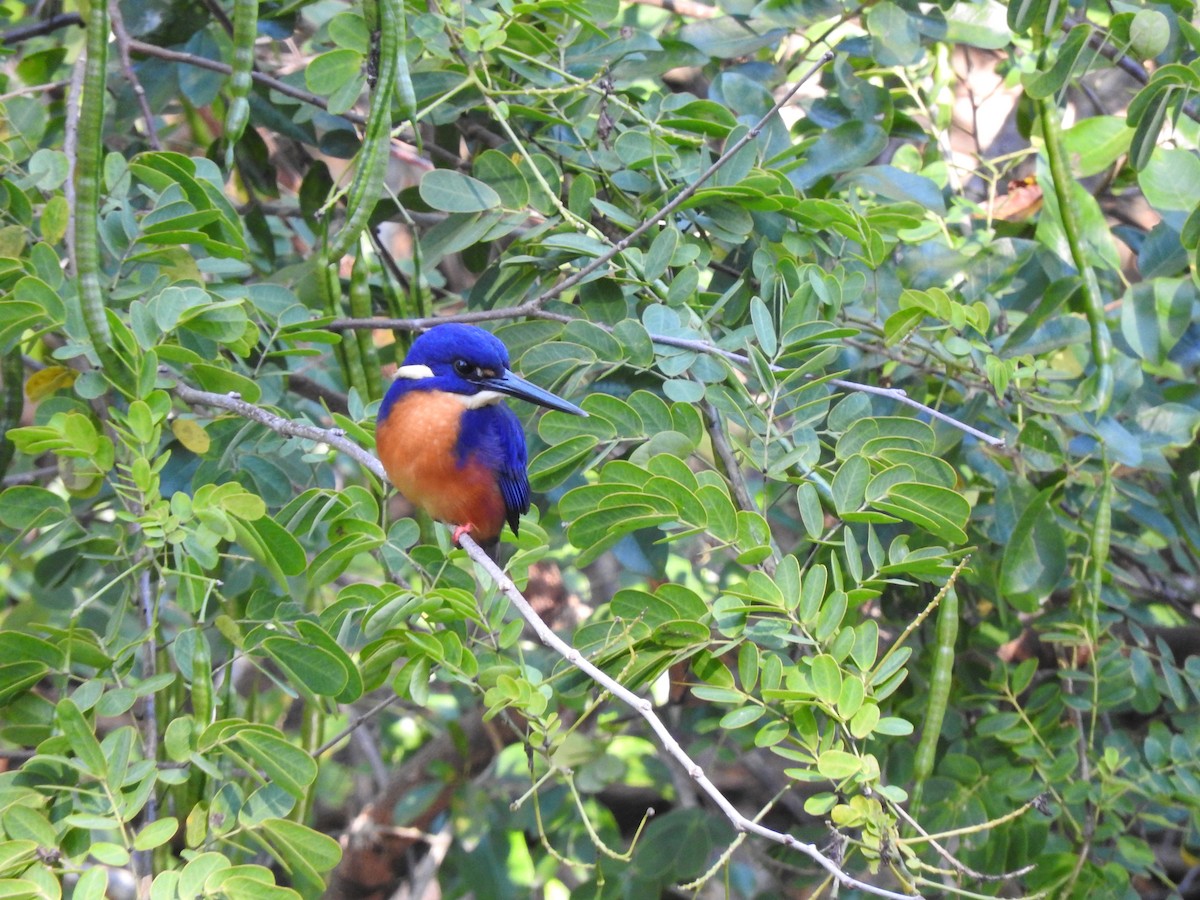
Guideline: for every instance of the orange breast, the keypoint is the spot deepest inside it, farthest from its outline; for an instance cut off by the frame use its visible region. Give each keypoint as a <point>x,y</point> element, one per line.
<point>417,446</point>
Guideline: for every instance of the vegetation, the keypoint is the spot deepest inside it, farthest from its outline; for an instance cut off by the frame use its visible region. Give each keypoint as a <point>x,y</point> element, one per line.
<point>889,498</point>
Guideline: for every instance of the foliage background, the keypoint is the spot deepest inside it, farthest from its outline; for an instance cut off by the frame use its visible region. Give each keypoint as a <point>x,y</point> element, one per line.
<point>224,651</point>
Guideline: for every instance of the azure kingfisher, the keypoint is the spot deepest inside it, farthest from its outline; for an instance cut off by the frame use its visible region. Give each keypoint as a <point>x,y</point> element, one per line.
<point>447,440</point>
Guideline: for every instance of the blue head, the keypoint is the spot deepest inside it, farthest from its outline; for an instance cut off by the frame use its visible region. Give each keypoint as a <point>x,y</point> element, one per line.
<point>470,362</point>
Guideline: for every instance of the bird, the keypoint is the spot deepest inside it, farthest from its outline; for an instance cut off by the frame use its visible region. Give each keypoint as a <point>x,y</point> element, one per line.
<point>447,440</point>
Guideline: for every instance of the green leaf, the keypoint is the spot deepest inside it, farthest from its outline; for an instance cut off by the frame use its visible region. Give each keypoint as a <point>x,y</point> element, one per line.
<point>17,316</point>
<point>942,511</point>
<point>1047,83</point>
<point>283,762</point>
<point>15,855</point>
<point>848,146</point>
<point>220,380</point>
<point>741,717</point>
<point>826,678</point>
<point>311,667</point>
<point>305,851</point>
<point>1149,33</point>
<point>318,637</point>
<point>838,764</point>
<point>1035,556</point>
<point>82,737</point>
<point>500,173</point>
<point>873,435</point>
<point>1023,14</point>
<point>864,722</point>
<point>728,37</point>
<point>1170,179</point>
<point>338,75</point>
<point>554,465</point>
<point>850,484</point>
<point>1155,315</point>
<point>895,39</point>
<point>658,257</point>
<point>29,506</point>
<point>1095,143</point>
<point>453,192</point>
<point>156,833</point>
<point>273,546</point>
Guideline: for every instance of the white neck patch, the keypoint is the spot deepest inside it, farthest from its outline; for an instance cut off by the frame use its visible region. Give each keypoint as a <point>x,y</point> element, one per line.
<point>414,373</point>
<point>483,398</point>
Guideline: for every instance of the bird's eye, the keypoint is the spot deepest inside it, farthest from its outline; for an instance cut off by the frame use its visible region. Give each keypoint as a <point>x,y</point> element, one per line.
<point>464,368</point>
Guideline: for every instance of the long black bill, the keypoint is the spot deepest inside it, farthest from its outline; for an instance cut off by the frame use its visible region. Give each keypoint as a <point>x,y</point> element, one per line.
<point>516,386</point>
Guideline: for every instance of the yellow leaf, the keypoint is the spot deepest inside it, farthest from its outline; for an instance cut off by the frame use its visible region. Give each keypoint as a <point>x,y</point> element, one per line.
<point>54,219</point>
<point>79,477</point>
<point>42,384</point>
<point>191,434</point>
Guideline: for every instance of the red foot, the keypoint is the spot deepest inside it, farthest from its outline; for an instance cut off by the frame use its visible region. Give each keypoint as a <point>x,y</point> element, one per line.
<point>460,531</point>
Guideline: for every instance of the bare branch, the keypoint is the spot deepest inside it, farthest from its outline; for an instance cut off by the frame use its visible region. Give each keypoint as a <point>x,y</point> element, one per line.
<point>122,36</point>
<point>334,437</point>
<point>212,65</point>
<point>54,23</point>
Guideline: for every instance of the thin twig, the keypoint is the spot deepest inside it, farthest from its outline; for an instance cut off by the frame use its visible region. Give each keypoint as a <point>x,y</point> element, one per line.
<point>34,89</point>
<point>358,722</point>
<point>233,402</point>
<point>37,29</point>
<point>33,476</point>
<point>644,708</point>
<point>723,451</point>
<point>960,867</point>
<point>212,65</point>
<point>122,36</point>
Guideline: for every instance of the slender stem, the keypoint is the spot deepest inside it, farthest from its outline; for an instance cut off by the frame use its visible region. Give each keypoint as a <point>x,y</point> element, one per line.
<point>333,437</point>
<point>213,65</point>
<point>1093,302</point>
<point>12,403</point>
<point>37,29</point>
<point>122,36</point>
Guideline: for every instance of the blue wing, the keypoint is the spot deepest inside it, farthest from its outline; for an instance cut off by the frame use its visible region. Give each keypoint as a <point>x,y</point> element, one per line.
<point>495,436</point>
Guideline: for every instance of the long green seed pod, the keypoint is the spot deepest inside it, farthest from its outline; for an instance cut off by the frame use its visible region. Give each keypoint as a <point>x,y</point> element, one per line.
<point>12,370</point>
<point>1093,302</point>
<point>245,31</point>
<point>371,165</point>
<point>88,160</point>
<point>360,308</point>
<point>946,633</point>
<point>330,288</point>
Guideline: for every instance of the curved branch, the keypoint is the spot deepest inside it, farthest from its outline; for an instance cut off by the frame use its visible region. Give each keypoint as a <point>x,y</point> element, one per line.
<point>334,437</point>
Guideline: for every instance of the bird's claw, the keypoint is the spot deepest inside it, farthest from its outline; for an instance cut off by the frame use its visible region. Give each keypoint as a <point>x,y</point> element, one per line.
<point>460,531</point>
